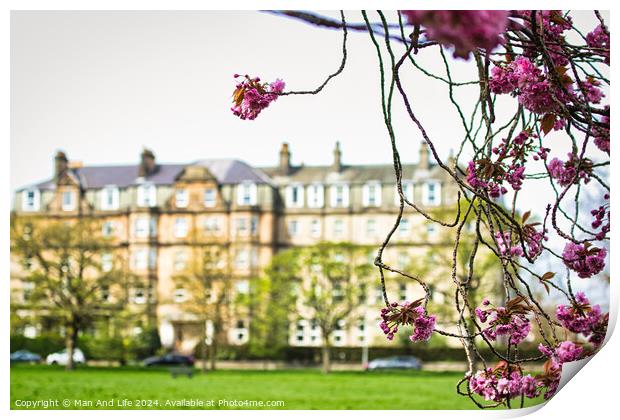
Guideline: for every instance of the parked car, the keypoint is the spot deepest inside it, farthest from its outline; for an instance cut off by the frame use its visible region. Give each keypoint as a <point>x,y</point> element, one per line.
<point>25,356</point>
<point>61,357</point>
<point>170,359</point>
<point>395,362</point>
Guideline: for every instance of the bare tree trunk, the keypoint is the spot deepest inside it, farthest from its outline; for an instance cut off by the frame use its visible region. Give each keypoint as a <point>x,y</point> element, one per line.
<point>213,352</point>
<point>71,339</point>
<point>203,347</point>
<point>326,355</point>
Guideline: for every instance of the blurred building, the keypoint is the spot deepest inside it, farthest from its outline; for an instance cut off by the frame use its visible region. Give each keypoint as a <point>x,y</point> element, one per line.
<point>151,210</point>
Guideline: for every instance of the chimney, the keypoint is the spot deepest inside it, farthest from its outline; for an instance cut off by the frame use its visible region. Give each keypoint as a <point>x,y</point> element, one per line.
<point>147,163</point>
<point>60,164</point>
<point>285,160</point>
<point>337,164</point>
<point>424,156</point>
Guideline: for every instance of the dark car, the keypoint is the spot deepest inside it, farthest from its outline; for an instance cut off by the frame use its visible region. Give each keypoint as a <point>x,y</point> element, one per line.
<point>170,359</point>
<point>25,356</point>
<point>396,362</point>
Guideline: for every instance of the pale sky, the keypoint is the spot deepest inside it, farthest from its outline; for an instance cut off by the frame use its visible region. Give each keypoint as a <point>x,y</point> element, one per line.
<point>101,85</point>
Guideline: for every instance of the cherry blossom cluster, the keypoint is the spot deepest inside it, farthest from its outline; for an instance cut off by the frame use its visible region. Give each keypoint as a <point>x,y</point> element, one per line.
<point>407,314</point>
<point>601,139</point>
<point>526,81</point>
<point>503,382</point>
<point>598,40</point>
<point>581,318</point>
<point>565,173</point>
<point>550,25</point>
<point>251,97</point>
<point>584,259</point>
<point>464,30</point>
<point>509,320</point>
<point>566,351</point>
<point>509,165</point>
<point>602,218</point>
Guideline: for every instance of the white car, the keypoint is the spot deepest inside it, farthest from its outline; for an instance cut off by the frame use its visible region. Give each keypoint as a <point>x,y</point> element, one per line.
<point>61,357</point>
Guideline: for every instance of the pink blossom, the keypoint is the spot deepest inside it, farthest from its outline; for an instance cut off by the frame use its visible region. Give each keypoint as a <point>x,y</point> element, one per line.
<point>598,39</point>
<point>584,260</point>
<point>407,314</point>
<point>503,321</point>
<point>465,30</point>
<point>251,97</point>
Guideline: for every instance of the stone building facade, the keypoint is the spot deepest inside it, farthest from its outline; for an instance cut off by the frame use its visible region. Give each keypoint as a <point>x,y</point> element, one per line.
<point>150,209</point>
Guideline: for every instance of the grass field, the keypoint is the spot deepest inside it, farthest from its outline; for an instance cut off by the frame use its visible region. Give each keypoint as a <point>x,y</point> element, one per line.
<point>298,389</point>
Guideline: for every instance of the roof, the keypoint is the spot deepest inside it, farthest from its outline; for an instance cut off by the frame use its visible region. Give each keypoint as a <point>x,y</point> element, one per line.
<point>226,171</point>
<point>354,173</point>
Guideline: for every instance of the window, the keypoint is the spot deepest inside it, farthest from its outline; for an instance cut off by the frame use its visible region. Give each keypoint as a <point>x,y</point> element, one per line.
<point>300,332</point>
<point>371,194</point>
<point>209,198</point>
<point>110,198</point>
<point>180,261</point>
<point>181,198</point>
<point>241,226</point>
<point>254,225</point>
<point>402,292</point>
<point>337,293</point>
<point>152,258</point>
<point>316,196</point>
<point>242,258</point>
<point>30,200</point>
<point>403,259</point>
<point>211,225</point>
<point>139,296</point>
<point>140,259</point>
<point>105,293</point>
<point>340,195</point>
<point>293,227</point>
<point>145,227</point>
<point>147,195</point>
<point>180,295</point>
<point>431,194</point>
<point>27,288</point>
<point>246,194</point>
<point>107,262</point>
<point>295,196</point>
<point>431,230</point>
<point>242,287</point>
<point>371,227</point>
<point>315,228</point>
<point>68,200</point>
<point>403,227</point>
<point>180,227</point>
<point>107,229</point>
<point>338,227</point>
<point>407,192</point>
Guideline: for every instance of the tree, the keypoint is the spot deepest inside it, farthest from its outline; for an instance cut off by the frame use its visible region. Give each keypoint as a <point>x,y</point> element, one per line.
<point>271,301</point>
<point>64,264</point>
<point>538,74</point>
<point>333,281</point>
<point>207,284</point>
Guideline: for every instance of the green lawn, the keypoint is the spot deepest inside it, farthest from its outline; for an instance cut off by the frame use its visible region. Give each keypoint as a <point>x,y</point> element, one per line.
<point>299,389</point>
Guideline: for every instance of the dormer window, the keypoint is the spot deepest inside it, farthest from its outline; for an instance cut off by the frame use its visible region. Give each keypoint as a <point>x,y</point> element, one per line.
<point>431,194</point>
<point>68,200</point>
<point>181,198</point>
<point>209,198</point>
<point>295,196</point>
<point>371,194</point>
<point>110,198</point>
<point>340,195</point>
<point>316,196</point>
<point>147,195</point>
<point>246,194</point>
<point>30,200</point>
